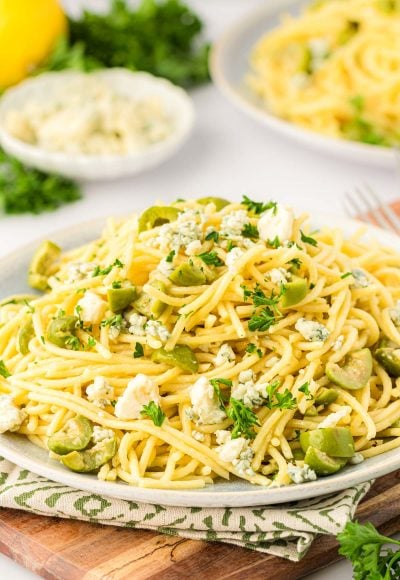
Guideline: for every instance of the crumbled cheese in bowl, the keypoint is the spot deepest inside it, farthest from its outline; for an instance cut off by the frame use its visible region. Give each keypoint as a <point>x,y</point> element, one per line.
<point>85,115</point>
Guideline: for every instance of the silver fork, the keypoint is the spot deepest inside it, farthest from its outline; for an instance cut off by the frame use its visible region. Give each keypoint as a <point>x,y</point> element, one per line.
<point>366,204</point>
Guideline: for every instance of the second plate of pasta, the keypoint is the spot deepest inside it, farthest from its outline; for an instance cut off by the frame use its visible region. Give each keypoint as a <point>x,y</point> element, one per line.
<point>313,76</point>
<point>254,363</point>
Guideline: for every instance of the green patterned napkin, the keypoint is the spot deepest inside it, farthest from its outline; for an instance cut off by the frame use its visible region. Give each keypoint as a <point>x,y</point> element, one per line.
<point>286,531</point>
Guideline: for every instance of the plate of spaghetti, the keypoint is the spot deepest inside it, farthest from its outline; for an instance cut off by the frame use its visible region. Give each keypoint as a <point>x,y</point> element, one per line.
<point>325,73</point>
<point>204,353</point>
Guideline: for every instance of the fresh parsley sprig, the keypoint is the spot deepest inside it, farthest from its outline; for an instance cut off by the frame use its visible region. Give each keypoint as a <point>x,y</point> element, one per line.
<point>214,236</point>
<point>305,389</point>
<point>363,545</point>
<point>222,397</point>
<point>276,400</point>
<point>104,271</point>
<point>211,259</point>
<point>243,419</point>
<point>155,413</point>
<point>27,190</point>
<point>250,231</point>
<point>259,207</point>
<point>308,239</point>
<point>4,372</point>
<point>139,352</point>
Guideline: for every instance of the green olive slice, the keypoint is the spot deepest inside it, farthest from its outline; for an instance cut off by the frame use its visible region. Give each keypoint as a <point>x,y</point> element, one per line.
<point>60,329</point>
<point>149,306</point>
<point>180,356</point>
<point>74,436</point>
<point>335,441</point>
<point>24,336</point>
<point>219,202</point>
<point>356,372</point>
<point>156,216</point>
<point>120,298</point>
<point>295,292</point>
<point>41,265</point>
<point>321,463</point>
<point>91,459</point>
<point>389,358</point>
<point>188,274</point>
<point>326,396</point>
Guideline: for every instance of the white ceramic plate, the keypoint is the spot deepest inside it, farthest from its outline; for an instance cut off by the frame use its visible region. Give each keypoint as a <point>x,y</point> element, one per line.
<point>223,494</point>
<point>99,167</point>
<point>229,63</point>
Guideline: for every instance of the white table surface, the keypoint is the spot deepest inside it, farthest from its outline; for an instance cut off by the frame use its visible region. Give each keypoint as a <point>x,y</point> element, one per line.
<point>228,155</point>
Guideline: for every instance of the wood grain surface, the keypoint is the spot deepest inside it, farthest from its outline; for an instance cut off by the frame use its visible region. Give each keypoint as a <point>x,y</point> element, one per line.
<point>73,550</point>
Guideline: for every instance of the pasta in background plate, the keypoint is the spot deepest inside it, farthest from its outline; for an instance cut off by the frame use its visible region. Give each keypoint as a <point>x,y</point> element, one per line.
<point>207,339</point>
<point>335,70</point>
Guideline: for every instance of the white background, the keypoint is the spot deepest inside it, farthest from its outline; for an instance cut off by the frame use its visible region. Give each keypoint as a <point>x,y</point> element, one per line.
<point>228,155</point>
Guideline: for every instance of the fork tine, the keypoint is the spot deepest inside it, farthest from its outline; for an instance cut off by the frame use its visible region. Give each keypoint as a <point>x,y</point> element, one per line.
<point>389,213</point>
<point>373,210</point>
<point>356,209</point>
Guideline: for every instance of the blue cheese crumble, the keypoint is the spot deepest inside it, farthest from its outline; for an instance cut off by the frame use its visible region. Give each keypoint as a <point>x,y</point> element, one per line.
<point>301,474</point>
<point>311,330</point>
<point>100,392</point>
<point>11,417</point>
<point>224,355</point>
<point>232,224</point>
<point>205,408</point>
<point>235,451</point>
<point>361,279</point>
<point>276,223</point>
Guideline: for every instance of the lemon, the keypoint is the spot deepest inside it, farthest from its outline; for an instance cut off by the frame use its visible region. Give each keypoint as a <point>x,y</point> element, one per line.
<point>29,30</point>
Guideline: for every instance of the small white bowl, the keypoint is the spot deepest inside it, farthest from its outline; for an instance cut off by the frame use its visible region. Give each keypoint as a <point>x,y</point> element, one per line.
<point>99,167</point>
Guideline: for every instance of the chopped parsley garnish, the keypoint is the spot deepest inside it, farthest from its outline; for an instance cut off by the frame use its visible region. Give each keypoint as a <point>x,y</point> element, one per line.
<point>277,400</point>
<point>295,262</point>
<point>308,239</point>
<point>4,371</point>
<point>230,246</point>
<point>139,352</point>
<point>306,390</point>
<point>29,307</point>
<point>260,299</point>
<point>346,275</point>
<point>91,342</point>
<point>116,321</point>
<point>211,259</point>
<point>312,286</point>
<point>222,398</point>
<point>252,348</point>
<point>243,419</point>
<point>116,284</point>
<point>263,319</point>
<point>170,256</point>
<point>155,413</point>
<point>250,231</point>
<point>214,236</point>
<point>259,207</point>
<point>72,342</point>
<point>104,271</point>
<point>275,243</point>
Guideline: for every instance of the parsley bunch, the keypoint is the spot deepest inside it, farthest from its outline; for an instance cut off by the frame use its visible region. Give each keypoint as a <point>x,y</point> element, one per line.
<point>27,190</point>
<point>159,36</point>
<point>363,545</point>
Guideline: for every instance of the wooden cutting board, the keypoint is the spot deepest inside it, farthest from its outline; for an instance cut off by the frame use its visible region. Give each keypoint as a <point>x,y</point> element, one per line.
<point>72,550</point>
